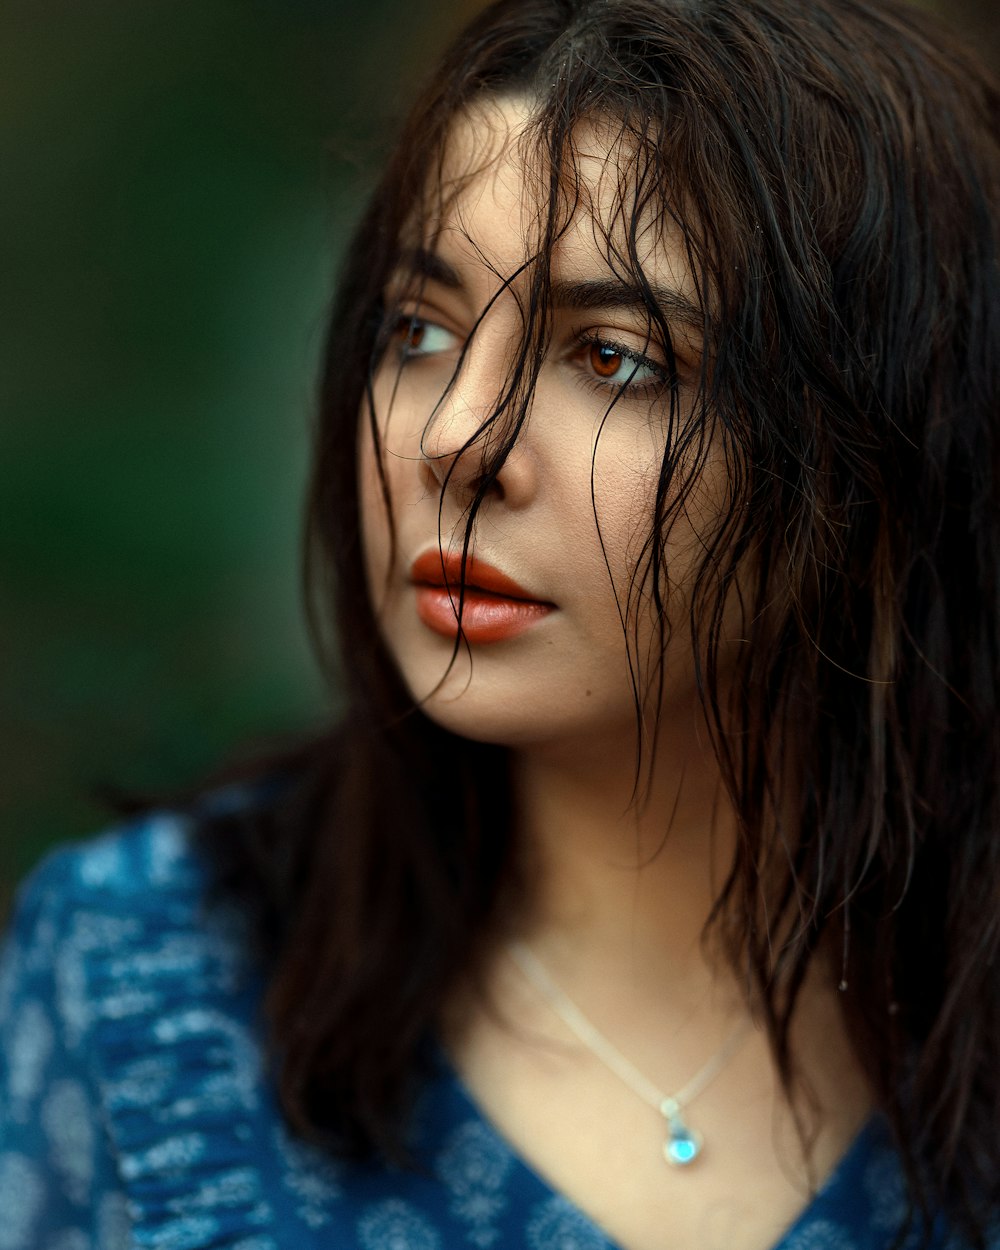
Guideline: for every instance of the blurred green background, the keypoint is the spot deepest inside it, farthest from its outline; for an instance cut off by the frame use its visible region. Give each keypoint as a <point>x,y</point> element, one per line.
<point>177,181</point>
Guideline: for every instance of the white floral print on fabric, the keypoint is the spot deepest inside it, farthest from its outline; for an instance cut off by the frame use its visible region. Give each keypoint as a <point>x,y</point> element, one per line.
<point>173,1152</point>
<point>89,931</point>
<point>28,1052</point>
<point>104,863</point>
<point>140,1081</point>
<point>191,1232</point>
<point>21,1195</point>
<point>45,939</point>
<point>474,1166</point>
<point>310,1177</point>
<point>114,1225</point>
<point>237,1187</point>
<point>68,1120</point>
<point>396,1225</point>
<point>236,1082</point>
<point>71,999</point>
<point>167,851</point>
<point>558,1225</point>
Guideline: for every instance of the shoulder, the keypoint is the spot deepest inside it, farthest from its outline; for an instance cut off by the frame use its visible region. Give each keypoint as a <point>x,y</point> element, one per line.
<point>153,852</point>
<point>113,887</point>
<point>125,981</point>
<point>113,922</point>
<point>139,864</point>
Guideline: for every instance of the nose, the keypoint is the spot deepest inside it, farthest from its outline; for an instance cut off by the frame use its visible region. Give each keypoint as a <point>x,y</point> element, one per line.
<point>467,429</point>
<point>455,442</point>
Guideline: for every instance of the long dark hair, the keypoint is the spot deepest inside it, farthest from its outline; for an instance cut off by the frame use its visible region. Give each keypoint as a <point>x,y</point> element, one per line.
<point>834,170</point>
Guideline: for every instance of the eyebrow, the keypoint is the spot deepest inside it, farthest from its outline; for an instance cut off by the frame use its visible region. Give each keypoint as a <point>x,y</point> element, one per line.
<point>586,293</point>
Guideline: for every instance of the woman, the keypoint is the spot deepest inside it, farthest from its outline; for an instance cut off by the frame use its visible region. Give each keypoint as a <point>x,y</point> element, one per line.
<point>648,891</point>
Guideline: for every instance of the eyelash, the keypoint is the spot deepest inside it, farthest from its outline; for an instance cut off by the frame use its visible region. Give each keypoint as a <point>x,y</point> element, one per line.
<point>402,328</point>
<point>661,379</point>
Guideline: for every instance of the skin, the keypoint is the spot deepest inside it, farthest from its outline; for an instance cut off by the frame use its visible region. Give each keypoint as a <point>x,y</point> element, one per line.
<point>566,679</point>
<point>619,905</point>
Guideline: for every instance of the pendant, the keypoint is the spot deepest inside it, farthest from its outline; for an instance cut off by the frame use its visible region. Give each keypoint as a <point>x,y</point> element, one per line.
<point>683,1145</point>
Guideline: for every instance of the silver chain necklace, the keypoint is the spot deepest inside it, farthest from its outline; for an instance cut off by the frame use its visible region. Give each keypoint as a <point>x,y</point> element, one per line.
<point>683,1144</point>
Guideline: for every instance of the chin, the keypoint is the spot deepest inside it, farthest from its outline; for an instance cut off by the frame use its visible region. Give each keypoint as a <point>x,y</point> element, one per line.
<point>524,716</point>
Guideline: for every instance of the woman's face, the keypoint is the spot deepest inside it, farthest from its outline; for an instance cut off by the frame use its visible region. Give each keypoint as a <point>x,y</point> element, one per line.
<point>558,537</point>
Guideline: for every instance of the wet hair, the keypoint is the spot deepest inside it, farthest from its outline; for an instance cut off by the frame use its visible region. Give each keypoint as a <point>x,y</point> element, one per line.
<point>832,168</point>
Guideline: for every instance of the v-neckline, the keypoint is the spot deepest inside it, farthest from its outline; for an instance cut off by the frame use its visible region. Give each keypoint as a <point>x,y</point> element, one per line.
<point>872,1136</point>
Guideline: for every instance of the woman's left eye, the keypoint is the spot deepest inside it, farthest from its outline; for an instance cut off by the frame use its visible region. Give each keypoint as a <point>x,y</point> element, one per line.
<point>417,337</point>
<point>613,365</point>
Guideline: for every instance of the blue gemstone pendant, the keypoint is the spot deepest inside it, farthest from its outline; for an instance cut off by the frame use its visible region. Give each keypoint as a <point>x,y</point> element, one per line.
<point>683,1145</point>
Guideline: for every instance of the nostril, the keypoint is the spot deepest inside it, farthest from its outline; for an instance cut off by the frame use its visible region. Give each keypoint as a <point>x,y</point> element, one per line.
<point>488,487</point>
<point>475,484</point>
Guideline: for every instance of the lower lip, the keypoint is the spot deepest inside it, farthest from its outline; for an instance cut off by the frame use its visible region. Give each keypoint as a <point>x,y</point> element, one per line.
<point>485,618</point>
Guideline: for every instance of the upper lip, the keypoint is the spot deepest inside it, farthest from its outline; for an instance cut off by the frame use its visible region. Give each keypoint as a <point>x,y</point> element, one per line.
<point>435,569</point>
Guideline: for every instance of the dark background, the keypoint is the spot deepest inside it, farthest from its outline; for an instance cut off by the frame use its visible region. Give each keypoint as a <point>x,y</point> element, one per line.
<point>177,181</point>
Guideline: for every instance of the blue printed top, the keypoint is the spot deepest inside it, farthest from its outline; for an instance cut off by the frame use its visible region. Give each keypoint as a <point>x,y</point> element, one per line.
<point>136,1110</point>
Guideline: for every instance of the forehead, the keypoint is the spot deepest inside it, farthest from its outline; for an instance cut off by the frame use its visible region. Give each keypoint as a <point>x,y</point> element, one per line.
<point>489,207</point>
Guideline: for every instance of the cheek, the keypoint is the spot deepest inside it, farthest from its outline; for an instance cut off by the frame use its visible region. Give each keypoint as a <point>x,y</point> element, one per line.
<point>651,581</point>
<point>388,451</point>
<point>625,472</point>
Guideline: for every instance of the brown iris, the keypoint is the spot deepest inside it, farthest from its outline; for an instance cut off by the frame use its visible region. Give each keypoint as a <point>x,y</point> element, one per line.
<point>604,360</point>
<point>411,331</point>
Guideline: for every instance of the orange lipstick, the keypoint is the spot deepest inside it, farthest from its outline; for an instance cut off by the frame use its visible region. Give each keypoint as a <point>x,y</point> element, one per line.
<point>494,607</point>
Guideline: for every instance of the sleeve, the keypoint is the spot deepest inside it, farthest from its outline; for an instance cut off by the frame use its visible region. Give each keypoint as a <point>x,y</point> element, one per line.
<point>59,1186</point>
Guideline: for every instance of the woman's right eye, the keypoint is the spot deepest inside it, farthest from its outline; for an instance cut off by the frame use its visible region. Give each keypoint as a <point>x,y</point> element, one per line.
<point>417,337</point>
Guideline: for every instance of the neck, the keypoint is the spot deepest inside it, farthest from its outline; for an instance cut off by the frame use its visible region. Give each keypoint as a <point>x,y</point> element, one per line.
<point>625,869</point>
<point>622,883</point>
